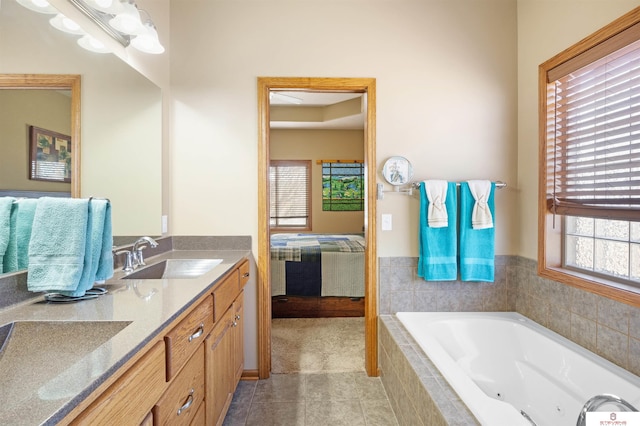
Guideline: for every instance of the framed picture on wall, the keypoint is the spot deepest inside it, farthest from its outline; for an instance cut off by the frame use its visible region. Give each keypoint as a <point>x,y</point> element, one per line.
<point>342,185</point>
<point>49,155</point>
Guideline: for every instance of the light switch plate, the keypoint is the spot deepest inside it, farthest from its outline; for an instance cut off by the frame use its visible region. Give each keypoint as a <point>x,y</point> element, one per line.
<point>387,222</point>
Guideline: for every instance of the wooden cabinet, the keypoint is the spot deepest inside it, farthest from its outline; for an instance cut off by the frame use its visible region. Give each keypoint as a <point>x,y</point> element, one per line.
<point>148,421</point>
<point>238,338</point>
<point>219,368</point>
<point>189,376</point>
<point>224,358</point>
<point>179,404</point>
<point>130,399</point>
<point>183,340</point>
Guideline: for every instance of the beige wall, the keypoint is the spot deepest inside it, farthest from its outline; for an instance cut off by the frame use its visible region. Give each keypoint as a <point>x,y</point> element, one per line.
<point>317,145</point>
<point>545,28</point>
<point>446,100</point>
<point>19,109</point>
<point>446,97</point>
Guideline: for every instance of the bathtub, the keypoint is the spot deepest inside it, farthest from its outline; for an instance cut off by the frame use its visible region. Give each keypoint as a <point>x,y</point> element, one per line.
<point>502,364</point>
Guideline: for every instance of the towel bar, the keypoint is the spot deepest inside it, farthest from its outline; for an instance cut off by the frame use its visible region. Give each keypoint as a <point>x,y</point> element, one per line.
<point>499,184</point>
<point>416,185</point>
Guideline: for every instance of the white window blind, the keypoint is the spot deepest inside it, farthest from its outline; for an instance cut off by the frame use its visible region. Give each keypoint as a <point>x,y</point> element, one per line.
<point>290,182</point>
<point>593,138</point>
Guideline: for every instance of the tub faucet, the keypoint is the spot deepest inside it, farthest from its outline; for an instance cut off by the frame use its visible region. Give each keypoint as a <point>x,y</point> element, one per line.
<point>138,246</point>
<point>598,401</point>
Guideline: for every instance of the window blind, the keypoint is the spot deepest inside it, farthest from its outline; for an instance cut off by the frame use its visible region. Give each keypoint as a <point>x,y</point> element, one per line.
<point>593,138</point>
<point>289,186</point>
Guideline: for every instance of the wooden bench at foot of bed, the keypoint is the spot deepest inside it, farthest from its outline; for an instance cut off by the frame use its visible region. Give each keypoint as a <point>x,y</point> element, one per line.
<point>316,307</point>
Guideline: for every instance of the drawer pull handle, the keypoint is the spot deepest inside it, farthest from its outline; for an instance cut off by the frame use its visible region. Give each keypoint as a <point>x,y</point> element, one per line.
<point>235,324</point>
<point>188,403</point>
<point>197,333</point>
<point>245,275</point>
<point>238,317</point>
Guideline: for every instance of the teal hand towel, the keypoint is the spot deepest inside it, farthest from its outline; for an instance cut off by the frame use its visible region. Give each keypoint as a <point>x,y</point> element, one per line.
<point>17,255</point>
<point>98,262</point>
<point>91,253</point>
<point>105,259</point>
<point>477,246</point>
<point>58,243</point>
<point>24,226</point>
<point>438,246</point>
<point>6,205</point>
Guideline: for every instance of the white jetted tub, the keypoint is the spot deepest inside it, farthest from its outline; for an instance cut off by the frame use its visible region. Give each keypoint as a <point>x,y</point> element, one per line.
<point>502,364</point>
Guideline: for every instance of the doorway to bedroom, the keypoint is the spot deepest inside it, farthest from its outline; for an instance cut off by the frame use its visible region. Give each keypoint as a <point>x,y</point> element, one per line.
<point>316,259</point>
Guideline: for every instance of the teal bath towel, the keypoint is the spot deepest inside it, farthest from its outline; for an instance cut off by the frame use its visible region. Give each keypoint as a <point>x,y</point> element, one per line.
<point>477,246</point>
<point>6,206</point>
<point>438,246</point>
<point>17,254</point>
<point>98,262</point>
<point>58,244</point>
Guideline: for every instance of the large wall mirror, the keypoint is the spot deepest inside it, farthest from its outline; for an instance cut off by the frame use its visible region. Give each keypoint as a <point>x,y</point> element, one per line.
<point>117,124</point>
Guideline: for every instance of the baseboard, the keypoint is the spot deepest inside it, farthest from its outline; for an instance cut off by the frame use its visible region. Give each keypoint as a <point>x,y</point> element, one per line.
<point>250,375</point>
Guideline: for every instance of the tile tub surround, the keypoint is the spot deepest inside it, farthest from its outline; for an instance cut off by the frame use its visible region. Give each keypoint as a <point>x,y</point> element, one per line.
<point>418,393</point>
<point>609,328</point>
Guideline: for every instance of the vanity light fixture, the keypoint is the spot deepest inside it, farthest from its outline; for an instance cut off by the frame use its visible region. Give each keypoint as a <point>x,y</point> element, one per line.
<point>106,6</point>
<point>93,44</point>
<point>148,42</point>
<point>120,19</point>
<point>40,6</point>
<point>127,19</point>
<point>62,23</point>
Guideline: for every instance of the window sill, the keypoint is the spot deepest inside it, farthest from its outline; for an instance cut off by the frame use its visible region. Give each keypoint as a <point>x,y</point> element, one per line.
<point>289,230</point>
<point>611,289</point>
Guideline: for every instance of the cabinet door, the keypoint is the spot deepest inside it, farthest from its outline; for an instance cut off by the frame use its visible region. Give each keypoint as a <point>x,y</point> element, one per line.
<point>219,368</point>
<point>131,397</point>
<point>148,421</point>
<point>238,339</point>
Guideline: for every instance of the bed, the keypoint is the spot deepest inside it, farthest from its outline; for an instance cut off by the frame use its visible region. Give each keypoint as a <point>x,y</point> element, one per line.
<point>317,275</point>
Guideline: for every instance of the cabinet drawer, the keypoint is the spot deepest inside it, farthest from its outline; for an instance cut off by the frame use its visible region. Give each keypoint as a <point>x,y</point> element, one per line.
<point>224,294</point>
<point>131,397</point>
<point>179,404</point>
<point>199,418</point>
<point>187,336</point>
<point>244,273</point>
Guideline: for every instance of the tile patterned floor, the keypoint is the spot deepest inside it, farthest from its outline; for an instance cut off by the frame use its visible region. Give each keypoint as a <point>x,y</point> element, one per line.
<point>311,399</point>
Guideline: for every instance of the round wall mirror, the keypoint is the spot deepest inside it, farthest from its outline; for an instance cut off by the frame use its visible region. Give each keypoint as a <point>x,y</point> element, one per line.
<point>397,170</point>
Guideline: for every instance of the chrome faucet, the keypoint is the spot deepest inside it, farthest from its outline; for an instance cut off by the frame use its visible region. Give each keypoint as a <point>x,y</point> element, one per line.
<point>598,401</point>
<point>138,246</point>
<point>128,259</point>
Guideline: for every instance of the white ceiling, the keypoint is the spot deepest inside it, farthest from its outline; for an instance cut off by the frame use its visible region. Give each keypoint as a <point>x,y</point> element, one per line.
<point>293,106</point>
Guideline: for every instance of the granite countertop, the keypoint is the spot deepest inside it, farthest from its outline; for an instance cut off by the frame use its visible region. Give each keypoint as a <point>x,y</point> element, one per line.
<point>59,353</point>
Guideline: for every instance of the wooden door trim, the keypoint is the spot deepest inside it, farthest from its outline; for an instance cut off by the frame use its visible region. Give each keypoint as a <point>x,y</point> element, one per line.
<point>357,85</point>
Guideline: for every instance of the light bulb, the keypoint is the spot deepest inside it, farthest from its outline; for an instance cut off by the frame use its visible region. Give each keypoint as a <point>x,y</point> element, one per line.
<point>111,7</point>
<point>93,44</point>
<point>65,24</point>
<point>40,6</point>
<point>148,42</point>
<point>128,21</point>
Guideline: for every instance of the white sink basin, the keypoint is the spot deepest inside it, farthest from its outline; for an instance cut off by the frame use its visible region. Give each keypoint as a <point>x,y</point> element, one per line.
<point>175,268</point>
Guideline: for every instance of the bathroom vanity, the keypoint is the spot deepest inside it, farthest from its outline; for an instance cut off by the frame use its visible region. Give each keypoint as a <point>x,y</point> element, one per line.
<point>150,351</point>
